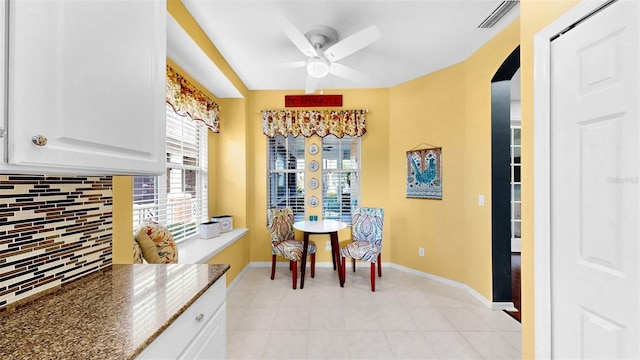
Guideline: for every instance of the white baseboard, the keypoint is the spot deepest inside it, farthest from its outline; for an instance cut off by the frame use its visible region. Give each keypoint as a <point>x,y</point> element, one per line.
<point>489,304</point>
<point>498,306</point>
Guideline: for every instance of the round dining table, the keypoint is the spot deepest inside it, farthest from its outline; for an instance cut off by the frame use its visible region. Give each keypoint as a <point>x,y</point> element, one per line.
<point>328,227</point>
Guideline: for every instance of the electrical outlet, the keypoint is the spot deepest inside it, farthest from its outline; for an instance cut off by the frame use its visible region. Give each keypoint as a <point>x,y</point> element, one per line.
<point>421,251</point>
<point>327,246</point>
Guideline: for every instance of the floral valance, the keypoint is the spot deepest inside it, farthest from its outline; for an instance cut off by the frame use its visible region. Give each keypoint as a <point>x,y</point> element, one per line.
<point>186,99</point>
<point>314,122</point>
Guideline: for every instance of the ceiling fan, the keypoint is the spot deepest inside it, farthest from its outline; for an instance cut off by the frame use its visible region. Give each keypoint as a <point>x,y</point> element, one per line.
<point>321,46</point>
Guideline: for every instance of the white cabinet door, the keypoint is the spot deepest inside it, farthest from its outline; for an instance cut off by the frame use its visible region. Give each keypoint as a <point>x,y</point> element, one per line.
<point>90,77</point>
<point>3,55</point>
<point>211,341</point>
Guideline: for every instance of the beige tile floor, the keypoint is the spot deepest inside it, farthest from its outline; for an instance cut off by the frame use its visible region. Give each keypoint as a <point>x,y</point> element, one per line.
<point>407,317</point>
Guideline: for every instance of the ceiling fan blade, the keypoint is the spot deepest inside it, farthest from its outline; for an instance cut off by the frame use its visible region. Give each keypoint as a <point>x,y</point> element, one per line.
<point>296,37</point>
<point>311,85</point>
<point>348,73</point>
<point>351,44</point>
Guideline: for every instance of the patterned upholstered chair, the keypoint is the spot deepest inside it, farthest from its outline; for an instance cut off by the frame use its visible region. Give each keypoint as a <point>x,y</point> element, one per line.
<point>283,242</point>
<point>366,233</point>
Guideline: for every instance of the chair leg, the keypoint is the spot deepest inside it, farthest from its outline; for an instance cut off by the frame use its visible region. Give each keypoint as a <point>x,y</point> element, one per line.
<point>344,276</point>
<point>294,273</point>
<point>353,261</point>
<point>290,266</point>
<point>373,277</point>
<point>273,266</point>
<point>379,265</point>
<point>313,265</point>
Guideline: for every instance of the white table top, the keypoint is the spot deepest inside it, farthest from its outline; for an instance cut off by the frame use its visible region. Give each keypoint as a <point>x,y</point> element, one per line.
<point>319,227</point>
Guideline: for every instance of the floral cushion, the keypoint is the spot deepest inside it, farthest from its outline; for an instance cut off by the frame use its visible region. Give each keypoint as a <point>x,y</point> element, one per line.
<point>157,244</point>
<point>137,253</point>
<point>361,250</point>
<point>366,225</point>
<point>282,235</point>
<point>366,232</point>
<point>280,225</point>
<point>292,249</point>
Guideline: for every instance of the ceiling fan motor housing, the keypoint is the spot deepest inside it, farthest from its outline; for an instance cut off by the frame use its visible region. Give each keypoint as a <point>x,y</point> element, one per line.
<point>321,36</point>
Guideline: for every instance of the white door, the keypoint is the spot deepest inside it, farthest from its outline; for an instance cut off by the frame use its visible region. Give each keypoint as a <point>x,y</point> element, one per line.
<point>595,158</point>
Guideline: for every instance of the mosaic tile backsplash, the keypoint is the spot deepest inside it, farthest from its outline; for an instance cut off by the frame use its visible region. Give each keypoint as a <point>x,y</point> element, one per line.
<point>53,230</point>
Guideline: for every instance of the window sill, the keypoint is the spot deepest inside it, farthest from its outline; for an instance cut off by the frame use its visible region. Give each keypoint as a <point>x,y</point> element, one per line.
<point>198,251</point>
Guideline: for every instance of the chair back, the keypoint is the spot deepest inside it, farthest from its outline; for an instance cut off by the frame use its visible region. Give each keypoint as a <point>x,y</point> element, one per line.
<point>280,222</point>
<point>366,225</point>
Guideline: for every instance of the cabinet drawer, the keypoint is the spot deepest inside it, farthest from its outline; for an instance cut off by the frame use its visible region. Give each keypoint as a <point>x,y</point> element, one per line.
<point>177,336</point>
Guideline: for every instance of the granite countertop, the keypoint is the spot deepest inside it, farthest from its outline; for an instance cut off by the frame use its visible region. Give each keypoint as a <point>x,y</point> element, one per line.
<point>111,314</point>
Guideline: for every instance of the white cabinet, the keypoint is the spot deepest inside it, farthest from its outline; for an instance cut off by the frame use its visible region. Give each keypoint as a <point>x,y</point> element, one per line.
<point>3,55</point>
<point>85,87</point>
<point>198,333</point>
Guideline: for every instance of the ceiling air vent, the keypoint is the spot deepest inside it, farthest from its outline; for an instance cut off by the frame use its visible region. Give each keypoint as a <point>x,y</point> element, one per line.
<point>498,14</point>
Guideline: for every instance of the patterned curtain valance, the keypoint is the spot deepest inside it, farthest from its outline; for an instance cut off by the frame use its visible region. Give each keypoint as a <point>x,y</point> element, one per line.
<point>314,122</point>
<point>186,99</point>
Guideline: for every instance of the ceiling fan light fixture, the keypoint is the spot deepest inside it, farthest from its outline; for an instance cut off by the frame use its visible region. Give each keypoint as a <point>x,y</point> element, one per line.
<point>317,68</point>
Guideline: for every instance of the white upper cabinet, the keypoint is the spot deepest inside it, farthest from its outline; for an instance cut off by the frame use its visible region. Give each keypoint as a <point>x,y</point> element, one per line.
<point>85,87</point>
<point>3,69</point>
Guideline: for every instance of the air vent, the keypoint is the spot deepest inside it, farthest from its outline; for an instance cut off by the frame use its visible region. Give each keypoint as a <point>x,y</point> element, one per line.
<point>498,14</point>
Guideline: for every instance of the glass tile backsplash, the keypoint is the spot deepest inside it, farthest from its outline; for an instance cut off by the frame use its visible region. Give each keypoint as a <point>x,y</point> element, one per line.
<point>53,229</point>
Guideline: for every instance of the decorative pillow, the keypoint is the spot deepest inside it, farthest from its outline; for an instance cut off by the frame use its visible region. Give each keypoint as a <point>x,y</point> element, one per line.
<point>157,243</point>
<point>137,253</point>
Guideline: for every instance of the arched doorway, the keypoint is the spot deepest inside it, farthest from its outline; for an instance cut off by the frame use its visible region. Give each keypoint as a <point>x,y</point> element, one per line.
<point>501,190</point>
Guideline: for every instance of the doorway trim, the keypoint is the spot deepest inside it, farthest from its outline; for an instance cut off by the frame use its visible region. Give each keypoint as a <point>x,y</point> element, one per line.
<point>542,167</point>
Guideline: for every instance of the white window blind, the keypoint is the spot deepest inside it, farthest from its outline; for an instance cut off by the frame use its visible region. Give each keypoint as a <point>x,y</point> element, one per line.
<point>177,199</point>
<point>285,166</point>
<point>340,177</point>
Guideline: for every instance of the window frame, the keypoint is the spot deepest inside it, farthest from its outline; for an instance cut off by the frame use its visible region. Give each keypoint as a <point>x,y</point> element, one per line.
<point>298,151</point>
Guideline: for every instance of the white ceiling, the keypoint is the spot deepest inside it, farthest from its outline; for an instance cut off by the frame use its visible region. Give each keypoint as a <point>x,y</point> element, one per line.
<point>417,38</point>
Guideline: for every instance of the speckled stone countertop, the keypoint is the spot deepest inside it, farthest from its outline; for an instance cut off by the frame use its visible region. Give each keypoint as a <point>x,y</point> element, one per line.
<point>111,314</point>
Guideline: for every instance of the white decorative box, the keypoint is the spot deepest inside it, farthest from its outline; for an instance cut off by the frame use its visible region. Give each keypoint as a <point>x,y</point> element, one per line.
<point>209,230</point>
<point>225,221</point>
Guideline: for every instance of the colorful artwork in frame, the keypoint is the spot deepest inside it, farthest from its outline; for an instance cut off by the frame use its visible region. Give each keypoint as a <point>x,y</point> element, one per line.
<point>424,174</point>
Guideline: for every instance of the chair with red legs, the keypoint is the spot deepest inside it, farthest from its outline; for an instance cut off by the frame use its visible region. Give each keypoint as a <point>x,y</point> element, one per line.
<point>366,233</point>
<point>283,244</point>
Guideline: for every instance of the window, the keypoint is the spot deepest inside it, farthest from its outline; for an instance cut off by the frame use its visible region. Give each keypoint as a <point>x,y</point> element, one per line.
<point>340,175</point>
<point>177,199</point>
<point>285,164</point>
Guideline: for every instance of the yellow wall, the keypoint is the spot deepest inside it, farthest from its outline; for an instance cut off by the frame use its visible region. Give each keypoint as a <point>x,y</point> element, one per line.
<point>429,112</point>
<point>534,16</point>
<point>450,108</point>
<point>236,255</point>
<point>122,220</point>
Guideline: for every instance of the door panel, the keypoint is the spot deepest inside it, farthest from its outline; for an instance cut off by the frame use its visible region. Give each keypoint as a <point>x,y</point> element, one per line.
<point>595,160</point>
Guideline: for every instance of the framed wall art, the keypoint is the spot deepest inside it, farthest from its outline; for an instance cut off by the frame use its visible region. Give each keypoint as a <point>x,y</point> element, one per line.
<point>424,174</point>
